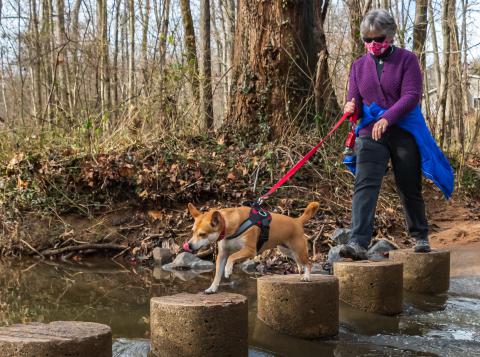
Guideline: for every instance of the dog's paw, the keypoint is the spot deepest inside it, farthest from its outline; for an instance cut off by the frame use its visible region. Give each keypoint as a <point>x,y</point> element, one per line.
<point>228,271</point>
<point>211,290</point>
<point>305,278</point>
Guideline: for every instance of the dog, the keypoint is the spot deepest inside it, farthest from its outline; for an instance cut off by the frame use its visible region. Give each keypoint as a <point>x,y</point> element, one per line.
<point>213,226</point>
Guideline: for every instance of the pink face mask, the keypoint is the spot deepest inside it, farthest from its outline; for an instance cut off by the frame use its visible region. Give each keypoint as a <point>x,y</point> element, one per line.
<point>377,48</point>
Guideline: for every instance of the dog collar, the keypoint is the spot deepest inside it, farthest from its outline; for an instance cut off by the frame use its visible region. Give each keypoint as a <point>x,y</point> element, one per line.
<point>222,233</point>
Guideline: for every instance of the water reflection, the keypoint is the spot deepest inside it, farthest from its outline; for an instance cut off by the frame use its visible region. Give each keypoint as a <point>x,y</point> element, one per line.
<point>105,292</point>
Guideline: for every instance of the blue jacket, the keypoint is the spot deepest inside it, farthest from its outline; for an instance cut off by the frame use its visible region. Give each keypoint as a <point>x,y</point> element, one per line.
<point>435,165</point>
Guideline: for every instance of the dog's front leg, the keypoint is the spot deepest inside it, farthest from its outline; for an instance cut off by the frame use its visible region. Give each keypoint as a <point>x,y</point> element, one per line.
<point>243,253</point>
<point>219,269</point>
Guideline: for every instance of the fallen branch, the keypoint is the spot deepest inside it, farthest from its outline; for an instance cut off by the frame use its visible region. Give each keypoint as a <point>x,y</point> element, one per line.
<point>314,242</point>
<point>129,228</point>
<point>75,248</point>
<point>121,253</point>
<point>33,249</point>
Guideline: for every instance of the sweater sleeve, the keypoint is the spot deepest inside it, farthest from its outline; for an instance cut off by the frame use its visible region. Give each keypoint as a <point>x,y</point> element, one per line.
<point>353,91</point>
<point>411,91</point>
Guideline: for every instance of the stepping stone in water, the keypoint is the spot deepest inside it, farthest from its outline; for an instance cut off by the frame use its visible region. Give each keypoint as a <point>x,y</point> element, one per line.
<point>199,325</point>
<point>59,338</point>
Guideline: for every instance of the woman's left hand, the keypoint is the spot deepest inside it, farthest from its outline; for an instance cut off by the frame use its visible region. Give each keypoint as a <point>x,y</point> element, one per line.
<point>379,128</point>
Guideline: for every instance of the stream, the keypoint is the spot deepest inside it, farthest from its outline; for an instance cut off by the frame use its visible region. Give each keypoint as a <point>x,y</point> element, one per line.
<point>110,293</point>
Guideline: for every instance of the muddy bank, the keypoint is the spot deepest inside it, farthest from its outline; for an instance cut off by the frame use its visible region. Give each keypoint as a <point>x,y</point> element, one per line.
<point>68,205</point>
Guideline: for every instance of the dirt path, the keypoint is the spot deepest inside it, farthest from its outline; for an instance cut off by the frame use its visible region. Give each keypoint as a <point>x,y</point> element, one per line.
<point>454,223</point>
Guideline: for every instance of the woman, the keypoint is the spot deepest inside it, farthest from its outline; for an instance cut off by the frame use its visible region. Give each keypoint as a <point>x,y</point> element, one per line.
<point>390,78</point>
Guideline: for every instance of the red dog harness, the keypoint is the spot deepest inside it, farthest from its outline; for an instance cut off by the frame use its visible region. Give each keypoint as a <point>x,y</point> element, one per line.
<point>257,217</point>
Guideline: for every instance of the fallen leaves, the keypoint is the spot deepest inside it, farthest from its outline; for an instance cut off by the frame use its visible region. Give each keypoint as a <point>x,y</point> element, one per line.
<point>15,160</point>
<point>154,215</point>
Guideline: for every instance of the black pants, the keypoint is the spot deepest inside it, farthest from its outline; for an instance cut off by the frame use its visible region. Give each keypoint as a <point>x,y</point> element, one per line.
<point>372,160</point>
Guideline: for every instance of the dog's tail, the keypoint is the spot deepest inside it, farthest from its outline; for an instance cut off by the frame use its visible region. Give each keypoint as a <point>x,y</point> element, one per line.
<point>309,212</point>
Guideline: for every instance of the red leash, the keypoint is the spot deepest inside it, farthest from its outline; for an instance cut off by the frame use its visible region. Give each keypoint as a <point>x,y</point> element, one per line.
<point>303,160</point>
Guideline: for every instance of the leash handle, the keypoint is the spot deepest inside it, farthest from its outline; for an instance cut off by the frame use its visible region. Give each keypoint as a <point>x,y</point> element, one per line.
<point>353,119</point>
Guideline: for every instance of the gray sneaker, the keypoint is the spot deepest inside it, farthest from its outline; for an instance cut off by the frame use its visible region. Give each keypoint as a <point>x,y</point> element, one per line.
<point>353,251</point>
<point>422,246</point>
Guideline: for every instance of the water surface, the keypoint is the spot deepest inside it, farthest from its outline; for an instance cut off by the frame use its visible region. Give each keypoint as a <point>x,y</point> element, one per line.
<point>117,295</point>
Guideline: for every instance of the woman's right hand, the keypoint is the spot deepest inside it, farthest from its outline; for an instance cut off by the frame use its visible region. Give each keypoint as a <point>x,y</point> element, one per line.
<point>350,107</point>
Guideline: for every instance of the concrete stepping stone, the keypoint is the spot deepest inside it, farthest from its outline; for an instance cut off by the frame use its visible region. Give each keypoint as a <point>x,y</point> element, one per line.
<point>59,339</point>
<point>297,308</point>
<point>371,286</point>
<point>427,273</point>
<point>199,325</point>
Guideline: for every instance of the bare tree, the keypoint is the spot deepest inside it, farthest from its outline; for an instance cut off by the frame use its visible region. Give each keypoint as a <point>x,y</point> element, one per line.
<point>228,18</point>
<point>36,60</point>
<point>115,66</point>
<point>104,60</point>
<point>355,15</point>
<point>131,61</point>
<point>270,67</point>
<point>325,98</point>
<point>145,15</point>
<point>206,72</point>
<point>165,18</point>
<point>436,59</point>
<point>75,36</point>
<point>420,30</point>
<point>456,113</point>
<point>62,59</point>
<point>47,38</point>
<point>464,47</point>
<point>190,45</point>
<point>443,90</point>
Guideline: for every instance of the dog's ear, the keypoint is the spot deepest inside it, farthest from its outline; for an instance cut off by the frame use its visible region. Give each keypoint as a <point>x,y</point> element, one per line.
<point>217,219</point>
<point>193,210</point>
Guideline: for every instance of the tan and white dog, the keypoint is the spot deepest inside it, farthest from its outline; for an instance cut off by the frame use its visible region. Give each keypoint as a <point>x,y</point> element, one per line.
<point>285,232</point>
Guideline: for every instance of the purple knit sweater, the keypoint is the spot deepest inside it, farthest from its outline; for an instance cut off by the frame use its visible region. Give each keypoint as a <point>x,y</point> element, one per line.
<point>399,89</point>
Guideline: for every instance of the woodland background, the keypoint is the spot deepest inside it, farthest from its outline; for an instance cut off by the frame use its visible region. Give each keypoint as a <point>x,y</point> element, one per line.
<point>149,104</point>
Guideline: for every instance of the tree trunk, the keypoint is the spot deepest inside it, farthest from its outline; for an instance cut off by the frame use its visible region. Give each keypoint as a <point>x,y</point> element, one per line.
<point>62,61</point>
<point>75,34</point>
<point>21,98</point>
<point>436,59</point>
<point>190,45</point>
<point>164,32</point>
<point>206,72</point>
<point>219,35</point>
<point>465,59</point>
<point>274,66</point>
<point>145,13</point>
<point>326,104</point>
<point>442,94</point>
<point>420,30</point>
<point>355,15</point>
<point>456,116</point>
<point>116,48</point>
<point>104,61</point>
<point>131,61</point>
<point>37,79</point>
<point>228,16</point>
<point>50,62</point>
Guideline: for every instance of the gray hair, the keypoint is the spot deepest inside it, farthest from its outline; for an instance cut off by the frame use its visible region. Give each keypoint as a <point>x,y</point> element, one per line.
<point>379,21</point>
